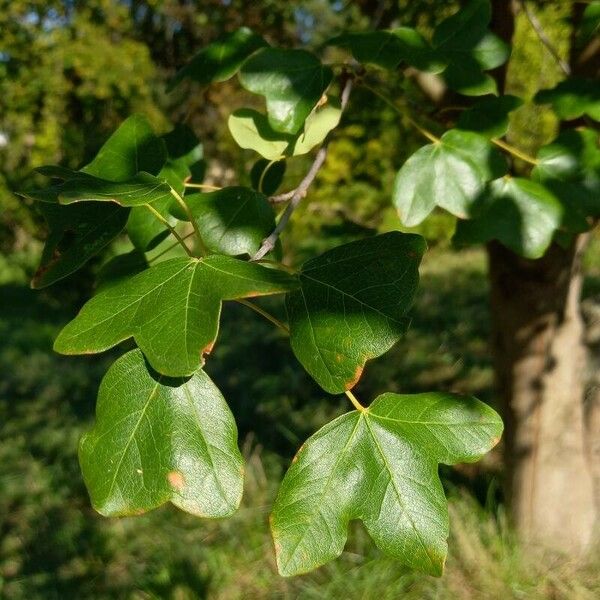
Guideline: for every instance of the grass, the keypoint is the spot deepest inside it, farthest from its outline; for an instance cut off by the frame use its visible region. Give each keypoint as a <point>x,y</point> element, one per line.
<point>53,545</point>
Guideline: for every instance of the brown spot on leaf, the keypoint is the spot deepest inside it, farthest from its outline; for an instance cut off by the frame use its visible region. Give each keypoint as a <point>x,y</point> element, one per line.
<point>297,454</point>
<point>176,480</point>
<point>357,375</point>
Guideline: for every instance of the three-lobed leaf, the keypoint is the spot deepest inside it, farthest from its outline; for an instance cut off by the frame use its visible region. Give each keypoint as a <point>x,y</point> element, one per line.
<point>351,306</point>
<point>451,173</point>
<point>158,440</point>
<point>520,213</point>
<point>379,465</point>
<point>292,82</point>
<point>172,310</point>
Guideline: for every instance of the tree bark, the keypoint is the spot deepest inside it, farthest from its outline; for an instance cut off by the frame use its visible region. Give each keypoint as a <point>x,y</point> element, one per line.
<point>539,357</point>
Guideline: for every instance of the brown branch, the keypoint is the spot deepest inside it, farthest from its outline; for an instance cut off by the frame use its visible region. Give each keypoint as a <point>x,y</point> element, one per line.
<point>296,196</point>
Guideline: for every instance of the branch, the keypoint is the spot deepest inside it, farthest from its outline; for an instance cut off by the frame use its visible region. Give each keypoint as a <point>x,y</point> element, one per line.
<point>539,30</point>
<point>296,196</point>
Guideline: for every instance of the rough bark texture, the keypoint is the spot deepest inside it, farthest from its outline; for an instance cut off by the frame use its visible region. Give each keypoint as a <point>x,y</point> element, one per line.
<point>540,359</point>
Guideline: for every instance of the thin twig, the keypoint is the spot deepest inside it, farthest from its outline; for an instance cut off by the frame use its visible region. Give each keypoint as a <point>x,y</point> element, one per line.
<point>539,30</point>
<point>282,197</point>
<point>300,192</point>
<point>265,314</point>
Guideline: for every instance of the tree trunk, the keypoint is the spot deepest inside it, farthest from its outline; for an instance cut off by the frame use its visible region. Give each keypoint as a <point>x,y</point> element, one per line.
<point>539,357</point>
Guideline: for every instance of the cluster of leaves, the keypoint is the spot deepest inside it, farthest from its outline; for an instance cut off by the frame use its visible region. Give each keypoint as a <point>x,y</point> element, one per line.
<point>164,433</point>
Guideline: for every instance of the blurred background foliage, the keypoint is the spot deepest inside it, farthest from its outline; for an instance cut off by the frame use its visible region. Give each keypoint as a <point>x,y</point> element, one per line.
<point>70,71</point>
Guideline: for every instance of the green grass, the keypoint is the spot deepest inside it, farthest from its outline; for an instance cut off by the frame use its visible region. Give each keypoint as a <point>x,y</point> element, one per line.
<point>53,545</point>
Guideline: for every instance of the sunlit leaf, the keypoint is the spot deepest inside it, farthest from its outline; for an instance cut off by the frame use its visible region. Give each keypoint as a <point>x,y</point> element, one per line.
<point>233,220</point>
<point>292,82</point>
<point>171,310</point>
<point>160,440</point>
<point>451,174</point>
<point>352,305</point>
<point>380,466</point>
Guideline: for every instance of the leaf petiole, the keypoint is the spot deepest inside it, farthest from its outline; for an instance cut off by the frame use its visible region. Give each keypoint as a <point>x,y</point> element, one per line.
<point>275,321</point>
<point>170,228</point>
<point>188,212</point>
<point>403,113</point>
<point>203,186</point>
<point>359,407</point>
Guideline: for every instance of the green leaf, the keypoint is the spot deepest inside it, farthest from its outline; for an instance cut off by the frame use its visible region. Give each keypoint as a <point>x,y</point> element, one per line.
<point>222,59</point>
<point>184,158</point>
<point>590,23</point>
<point>141,189</point>
<point>465,28</point>
<point>292,82</point>
<point>465,77</point>
<point>266,176</point>
<point>77,233</point>
<point>451,174</point>
<point>489,117</point>
<point>387,49</point>
<point>490,52</point>
<point>380,466</point>
<point>351,306</point>
<point>573,98</point>
<point>160,440</point>
<point>520,213</point>
<point>469,48</point>
<point>171,310</point>
<point>120,268</point>
<point>250,129</point>
<point>317,126</point>
<point>132,148</point>
<point>233,220</point>
<point>570,168</point>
